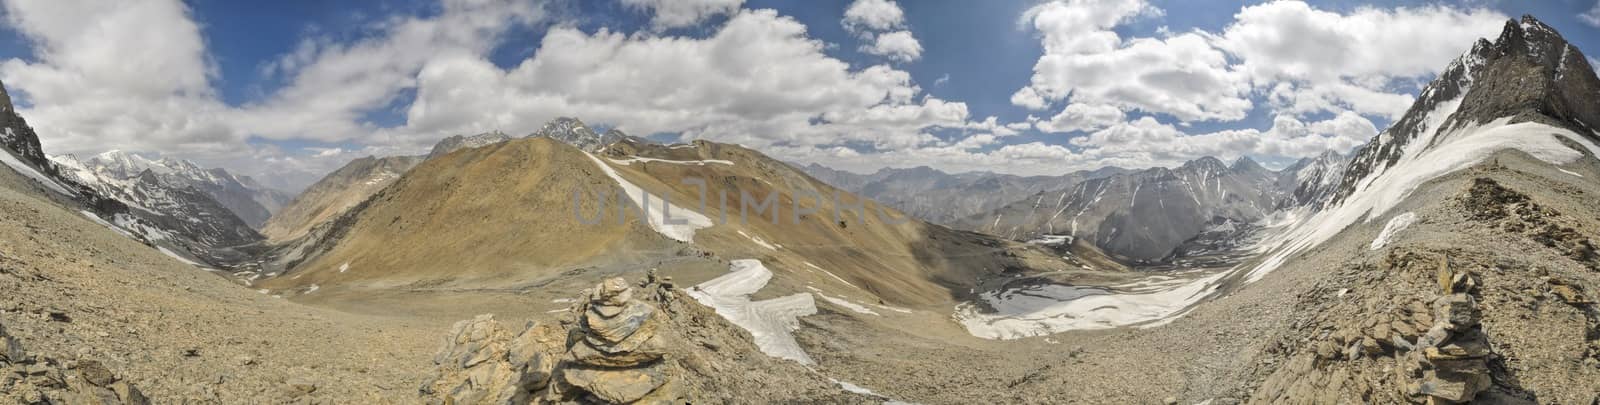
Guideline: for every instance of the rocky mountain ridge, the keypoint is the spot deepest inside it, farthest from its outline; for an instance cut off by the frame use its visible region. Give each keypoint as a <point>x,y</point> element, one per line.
<point>115,172</point>
<point>1147,216</point>
<point>943,198</point>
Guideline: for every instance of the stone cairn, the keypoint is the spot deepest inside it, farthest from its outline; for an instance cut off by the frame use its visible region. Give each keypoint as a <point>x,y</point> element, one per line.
<point>1449,363</point>
<point>612,353</point>
<point>33,379</point>
<point>617,355</point>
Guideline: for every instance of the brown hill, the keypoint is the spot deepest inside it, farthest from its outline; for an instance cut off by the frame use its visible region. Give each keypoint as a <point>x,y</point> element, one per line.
<point>336,193</point>
<point>496,215</point>
<point>503,216</point>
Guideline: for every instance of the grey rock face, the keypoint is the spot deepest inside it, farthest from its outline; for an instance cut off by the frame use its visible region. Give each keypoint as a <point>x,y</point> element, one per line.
<point>574,132</point>
<point>458,142</point>
<point>1313,181</point>
<point>1142,216</point>
<point>943,198</point>
<point>114,173</point>
<point>16,136</point>
<point>1528,73</point>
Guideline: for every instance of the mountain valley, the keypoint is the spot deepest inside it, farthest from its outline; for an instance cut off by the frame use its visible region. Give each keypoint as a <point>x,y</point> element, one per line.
<point>1449,259</point>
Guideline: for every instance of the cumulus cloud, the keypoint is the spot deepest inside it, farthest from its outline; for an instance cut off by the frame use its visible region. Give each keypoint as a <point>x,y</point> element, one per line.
<point>683,13</point>
<point>89,91</point>
<point>873,15</point>
<point>1082,117</point>
<point>1030,99</point>
<point>1591,17</point>
<point>1298,60</point>
<point>880,26</point>
<point>1310,60</point>
<point>333,85</point>
<point>85,89</point>
<point>1183,75</point>
<point>1334,61</point>
<point>898,45</point>
<point>1148,142</point>
<point>757,80</point>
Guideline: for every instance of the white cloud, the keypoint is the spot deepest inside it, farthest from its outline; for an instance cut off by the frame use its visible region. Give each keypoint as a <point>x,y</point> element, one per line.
<point>1028,98</point>
<point>1300,60</point>
<point>898,46</point>
<point>87,88</point>
<point>1082,117</point>
<point>757,80</point>
<point>90,91</point>
<point>1146,142</point>
<point>873,15</point>
<point>1591,17</point>
<point>683,13</point>
<point>1310,60</point>
<point>1183,75</point>
<point>880,26</point>
<point>334,85</point>
<point>1336,61</point>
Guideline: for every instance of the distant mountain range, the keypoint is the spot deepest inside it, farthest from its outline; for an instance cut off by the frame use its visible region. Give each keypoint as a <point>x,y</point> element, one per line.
<point>1143,216</point>
<point>117,172</point>
<point>944,198</point>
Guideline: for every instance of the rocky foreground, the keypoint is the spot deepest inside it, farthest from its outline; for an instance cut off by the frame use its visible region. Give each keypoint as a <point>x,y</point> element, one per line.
<point>649,344</point>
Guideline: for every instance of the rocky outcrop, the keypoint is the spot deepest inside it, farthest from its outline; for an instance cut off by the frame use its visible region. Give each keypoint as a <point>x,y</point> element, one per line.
<point>1515,213</point>
<point>1394,342</point>
<point>482,363</point>
<point>16,136</point>
<point>614,352</point>
<point>34,379</point>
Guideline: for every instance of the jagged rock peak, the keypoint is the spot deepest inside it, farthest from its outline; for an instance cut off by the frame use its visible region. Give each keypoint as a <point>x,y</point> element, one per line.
<point>5,100</point>
<point>1247,164</point>
<point>17,137</point>
<point>574,132</point>
<point>1529,73</point>
<point>1207,164</point>
<point>459,142</point>
<point>1531,68</point>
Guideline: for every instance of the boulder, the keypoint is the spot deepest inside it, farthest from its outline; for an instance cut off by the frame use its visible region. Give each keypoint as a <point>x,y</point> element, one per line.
<point>10,350</point>
<point>481,363</point>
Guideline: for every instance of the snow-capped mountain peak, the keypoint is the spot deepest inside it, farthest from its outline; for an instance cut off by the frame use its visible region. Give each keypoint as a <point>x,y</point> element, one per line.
<point>574,132</point>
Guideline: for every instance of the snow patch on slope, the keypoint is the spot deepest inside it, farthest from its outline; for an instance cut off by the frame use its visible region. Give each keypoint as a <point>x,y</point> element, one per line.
<point>857,308</point>
<point>771,322</point>
<point>681,224</point>
<point>1039,310</point>
<point>179,257</point>
<point>1395,225</point>
<point>1381,191</point>
<point>630,161</point>
<point>29,172</point>
<point>758,241</point>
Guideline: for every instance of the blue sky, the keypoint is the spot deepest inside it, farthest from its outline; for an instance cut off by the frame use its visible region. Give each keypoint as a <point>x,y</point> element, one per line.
<point>295,88</point>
